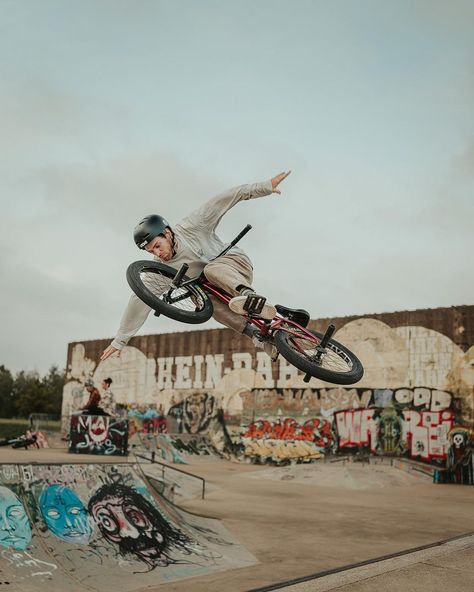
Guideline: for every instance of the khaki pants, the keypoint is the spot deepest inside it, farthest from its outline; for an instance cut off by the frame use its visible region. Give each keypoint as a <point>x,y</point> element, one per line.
<point>228,272</point>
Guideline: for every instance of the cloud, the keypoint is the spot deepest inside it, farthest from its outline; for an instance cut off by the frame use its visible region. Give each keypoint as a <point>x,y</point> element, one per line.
<point>67,220</point>
<point>464,164</point>
<point>377,214</point>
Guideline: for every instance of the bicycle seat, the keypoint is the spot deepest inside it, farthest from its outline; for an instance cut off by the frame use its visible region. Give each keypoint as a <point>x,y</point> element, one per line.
<point>299,315</point>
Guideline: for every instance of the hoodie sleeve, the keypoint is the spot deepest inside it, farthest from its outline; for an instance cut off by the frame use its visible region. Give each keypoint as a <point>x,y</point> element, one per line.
<point>208,216</point>
<point>133,318</point>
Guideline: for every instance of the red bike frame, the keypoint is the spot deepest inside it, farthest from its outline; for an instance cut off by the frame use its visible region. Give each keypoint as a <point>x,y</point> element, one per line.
<point>266,328</point>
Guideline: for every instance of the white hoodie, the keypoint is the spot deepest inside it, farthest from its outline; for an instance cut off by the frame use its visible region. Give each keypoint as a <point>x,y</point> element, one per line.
<point>196,243</point>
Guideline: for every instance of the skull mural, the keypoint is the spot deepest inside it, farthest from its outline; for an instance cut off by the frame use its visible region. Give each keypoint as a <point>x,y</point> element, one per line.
<point>460,459</point>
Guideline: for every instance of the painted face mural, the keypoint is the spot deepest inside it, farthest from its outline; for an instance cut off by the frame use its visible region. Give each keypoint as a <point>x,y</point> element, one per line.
<point>15,530</point>
<point>98,428</point>
<point>65,515</point>
<point>195,412</point>
<point>128,520</point>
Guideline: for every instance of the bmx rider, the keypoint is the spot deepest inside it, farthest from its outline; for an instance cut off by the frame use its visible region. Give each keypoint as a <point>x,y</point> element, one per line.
<point>195,242</point>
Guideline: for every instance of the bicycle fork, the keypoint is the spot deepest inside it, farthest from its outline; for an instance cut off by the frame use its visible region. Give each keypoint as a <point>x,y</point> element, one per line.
<point>176,282</point>
<point>321,348</point>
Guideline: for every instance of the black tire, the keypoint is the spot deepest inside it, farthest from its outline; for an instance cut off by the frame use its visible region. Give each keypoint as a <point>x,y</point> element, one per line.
<point>339,365</point>
<point>151,280</point>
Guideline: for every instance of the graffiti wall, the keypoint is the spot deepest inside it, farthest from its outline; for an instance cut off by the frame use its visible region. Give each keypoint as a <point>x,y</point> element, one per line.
<point>100,525</point>
<point>418,386</point>
<point>290,424</point>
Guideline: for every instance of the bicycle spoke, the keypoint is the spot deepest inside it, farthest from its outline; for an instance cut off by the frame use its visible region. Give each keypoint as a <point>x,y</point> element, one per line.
<point>301,347</point>
<point>187,299</point>
<point>173,299</point>
<point>332,359</point>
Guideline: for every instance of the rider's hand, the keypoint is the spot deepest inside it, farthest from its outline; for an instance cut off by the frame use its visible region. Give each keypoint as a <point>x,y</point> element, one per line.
<point>277,180</point>
<point>109,351</point>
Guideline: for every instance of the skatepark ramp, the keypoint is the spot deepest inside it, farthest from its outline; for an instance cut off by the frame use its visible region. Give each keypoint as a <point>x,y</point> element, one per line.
<point>101,527</point>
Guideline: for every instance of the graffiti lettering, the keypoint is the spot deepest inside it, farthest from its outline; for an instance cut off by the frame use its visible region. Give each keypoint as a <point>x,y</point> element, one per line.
<point>26,560</point>
<point>426,432</point>
<point>289,429</point>
<point>98,435</point>
<point>357,428</point>
<point>281,451</point>
<point>422,433</point>
<point>432,399</point>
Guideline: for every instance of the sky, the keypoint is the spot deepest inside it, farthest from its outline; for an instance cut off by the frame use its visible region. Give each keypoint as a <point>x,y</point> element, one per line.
<point>111,110</point>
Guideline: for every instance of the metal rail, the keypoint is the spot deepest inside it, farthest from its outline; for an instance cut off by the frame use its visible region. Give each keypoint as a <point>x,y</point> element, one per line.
<point>165,466</point>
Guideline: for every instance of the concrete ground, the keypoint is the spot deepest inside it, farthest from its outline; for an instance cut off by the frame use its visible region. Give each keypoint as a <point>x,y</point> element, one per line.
<point>296,527</point>
<point>445,567</point>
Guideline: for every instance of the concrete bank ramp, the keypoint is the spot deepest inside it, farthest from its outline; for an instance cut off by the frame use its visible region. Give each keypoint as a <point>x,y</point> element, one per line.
<point>94,527</point>
<point>344,475</point>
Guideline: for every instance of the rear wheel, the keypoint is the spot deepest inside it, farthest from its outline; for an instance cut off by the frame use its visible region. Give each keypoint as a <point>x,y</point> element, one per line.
<point>151,281</point>
<point>335,363</point>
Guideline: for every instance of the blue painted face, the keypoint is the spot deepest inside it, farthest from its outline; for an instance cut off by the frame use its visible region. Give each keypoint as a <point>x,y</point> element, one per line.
<point>15,530</point>
<point>65,515</point>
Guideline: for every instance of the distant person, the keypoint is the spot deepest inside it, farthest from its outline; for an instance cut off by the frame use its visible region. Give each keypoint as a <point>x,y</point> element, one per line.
<point>92,406</point>
<point>108,403</point>
<point>194,241</point>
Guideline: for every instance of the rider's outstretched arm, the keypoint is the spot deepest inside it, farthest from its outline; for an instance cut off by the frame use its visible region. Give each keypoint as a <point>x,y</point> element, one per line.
<point>135,314</point>
<point>209,214</point>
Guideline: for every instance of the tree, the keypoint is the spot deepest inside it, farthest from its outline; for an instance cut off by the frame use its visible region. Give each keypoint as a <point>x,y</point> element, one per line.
<point>7,400</point>
<point>27,393</point>
<point>33,394</point>
<point>53,384</point>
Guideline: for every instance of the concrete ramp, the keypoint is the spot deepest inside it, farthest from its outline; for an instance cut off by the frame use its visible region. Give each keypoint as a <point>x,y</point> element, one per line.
<point>101,528</point>
<point>347,475</point>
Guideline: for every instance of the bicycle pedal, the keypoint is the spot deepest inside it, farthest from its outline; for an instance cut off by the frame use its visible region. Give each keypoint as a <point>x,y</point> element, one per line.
<point>254,304</point>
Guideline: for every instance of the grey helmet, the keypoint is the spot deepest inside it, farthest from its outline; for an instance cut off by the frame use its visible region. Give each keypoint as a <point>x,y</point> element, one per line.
<point>148,229</point>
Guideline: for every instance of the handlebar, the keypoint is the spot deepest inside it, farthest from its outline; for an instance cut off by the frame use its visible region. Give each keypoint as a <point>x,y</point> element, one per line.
<point>241,234</point>
<point>179,276</point>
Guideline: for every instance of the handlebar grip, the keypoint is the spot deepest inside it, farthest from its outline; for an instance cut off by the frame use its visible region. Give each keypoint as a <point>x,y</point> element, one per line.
<point>241,234</point>
<point>234,242</point>
<point>179,276</point>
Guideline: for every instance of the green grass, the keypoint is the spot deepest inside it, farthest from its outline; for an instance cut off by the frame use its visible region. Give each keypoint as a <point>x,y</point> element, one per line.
<point>12,427</point>
<point>17,427</point>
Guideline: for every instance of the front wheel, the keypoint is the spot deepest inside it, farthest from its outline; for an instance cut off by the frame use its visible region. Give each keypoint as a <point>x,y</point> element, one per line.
<point>152,283</point>
<point>337,364</point>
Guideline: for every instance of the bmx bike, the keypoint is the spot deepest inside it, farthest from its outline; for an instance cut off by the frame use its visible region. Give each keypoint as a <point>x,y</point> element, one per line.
<point>187,300</point>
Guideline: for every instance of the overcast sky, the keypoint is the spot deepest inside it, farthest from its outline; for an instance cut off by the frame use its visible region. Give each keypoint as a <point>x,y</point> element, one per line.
<point>110,110</point>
